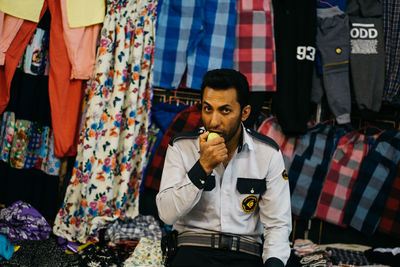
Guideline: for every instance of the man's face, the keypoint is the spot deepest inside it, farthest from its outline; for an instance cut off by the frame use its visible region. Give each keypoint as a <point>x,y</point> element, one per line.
<point>221,112</point>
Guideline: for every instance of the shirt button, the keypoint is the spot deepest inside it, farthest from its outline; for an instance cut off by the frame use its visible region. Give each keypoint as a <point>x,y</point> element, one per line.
<point>202,181</point>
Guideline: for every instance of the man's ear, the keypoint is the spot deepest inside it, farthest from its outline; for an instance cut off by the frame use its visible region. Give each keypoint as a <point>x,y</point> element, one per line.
<point>246,112</point>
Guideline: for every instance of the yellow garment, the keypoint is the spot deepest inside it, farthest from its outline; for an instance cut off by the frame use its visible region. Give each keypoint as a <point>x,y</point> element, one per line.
<point>84,13</point>
<point>24,9</point>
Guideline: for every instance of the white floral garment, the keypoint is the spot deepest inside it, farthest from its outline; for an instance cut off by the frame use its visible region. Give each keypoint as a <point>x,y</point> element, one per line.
<point>113,140</point>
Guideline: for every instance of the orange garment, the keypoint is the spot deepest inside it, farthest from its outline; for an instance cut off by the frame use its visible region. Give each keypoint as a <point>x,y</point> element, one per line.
<point>9,27</point>
<point>65,95</point>
<point>81,46</point>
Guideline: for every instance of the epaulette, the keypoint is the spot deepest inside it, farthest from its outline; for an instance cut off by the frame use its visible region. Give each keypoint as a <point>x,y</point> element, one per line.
<point>185,135</point>
<point>263,138</point>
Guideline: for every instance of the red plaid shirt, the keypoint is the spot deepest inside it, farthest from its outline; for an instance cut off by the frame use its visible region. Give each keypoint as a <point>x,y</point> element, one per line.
<point>390,221</point>
<point>186,121</point>
<point>254,54</point>
<point>339,181</point>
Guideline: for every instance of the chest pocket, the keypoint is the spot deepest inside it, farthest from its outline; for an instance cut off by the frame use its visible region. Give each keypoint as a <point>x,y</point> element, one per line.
<point>251,186</point>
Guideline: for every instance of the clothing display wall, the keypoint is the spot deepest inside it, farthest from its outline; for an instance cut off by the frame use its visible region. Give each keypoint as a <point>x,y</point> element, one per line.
<point>113,140</point>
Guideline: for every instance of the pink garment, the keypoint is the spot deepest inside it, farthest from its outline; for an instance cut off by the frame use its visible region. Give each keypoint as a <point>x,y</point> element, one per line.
<point>81,46</point>
<point>272,129</point>
<point>9,27</point>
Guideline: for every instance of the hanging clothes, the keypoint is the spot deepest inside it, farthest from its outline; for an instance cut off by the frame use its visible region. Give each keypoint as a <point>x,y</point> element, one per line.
<point>254,54</point>
<point>271,128</point>
<point>295,30</point>
<point>391,22</point>
<point>367,56</point>
<point>333,45</point>
<point>113,141</point>
<point>9,27</point>
<point>372,187</point>
<point>309,167</point>
<point>85,13</point>
<point>196,36</point>
<point>390,222</point>
<point>27,9</point>
<point>341,176</point>
<point>65,94</point>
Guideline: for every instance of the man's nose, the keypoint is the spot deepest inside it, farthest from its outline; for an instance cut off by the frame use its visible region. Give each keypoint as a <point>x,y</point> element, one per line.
<point>215,120</point>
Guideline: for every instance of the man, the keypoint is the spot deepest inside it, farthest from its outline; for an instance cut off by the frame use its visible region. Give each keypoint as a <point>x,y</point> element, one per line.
<point>222,193</point>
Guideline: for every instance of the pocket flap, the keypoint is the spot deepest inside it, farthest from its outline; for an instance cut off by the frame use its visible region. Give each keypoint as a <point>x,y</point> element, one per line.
<point>251,186</point>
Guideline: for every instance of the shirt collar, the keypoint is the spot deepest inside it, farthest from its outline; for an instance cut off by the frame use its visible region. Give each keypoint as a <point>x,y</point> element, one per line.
<point>246,142</point>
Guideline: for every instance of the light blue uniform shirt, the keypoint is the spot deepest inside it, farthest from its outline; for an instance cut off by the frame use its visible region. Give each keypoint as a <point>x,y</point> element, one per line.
<point>237,203</point>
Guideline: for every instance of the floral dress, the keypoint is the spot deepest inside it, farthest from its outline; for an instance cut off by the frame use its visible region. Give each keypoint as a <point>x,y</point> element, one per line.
<point>113,140</point>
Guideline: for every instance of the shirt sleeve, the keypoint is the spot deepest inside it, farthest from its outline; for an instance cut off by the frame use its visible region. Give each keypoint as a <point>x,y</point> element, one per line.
<point>275,211</point>
<point>180,188</point>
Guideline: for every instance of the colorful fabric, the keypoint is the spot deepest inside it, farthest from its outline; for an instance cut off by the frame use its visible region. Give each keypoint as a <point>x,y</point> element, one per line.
<point>25,145</point>
<point>254,54</point>
<point>309,167</point>
<point>113,141</point>
<point>22,221</point>
<point>390,221</point>
<point>134,229</point>
<point>27,9</point>
<point>147,253</point>
<point>391,29</point>
<point>373,183</point>
<point>187,120</point>
<point>9,26</point>
<point>196,36</point>
<point>6,249</point>
<point>35,59</point>
<point>340,179</point>
<point>271,128</point>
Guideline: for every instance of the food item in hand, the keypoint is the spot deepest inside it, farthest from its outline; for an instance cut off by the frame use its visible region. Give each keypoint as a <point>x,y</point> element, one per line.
<point>212,136</point>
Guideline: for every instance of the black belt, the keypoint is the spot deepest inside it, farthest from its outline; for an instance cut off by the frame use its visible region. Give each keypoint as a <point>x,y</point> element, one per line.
<point>221,241</point>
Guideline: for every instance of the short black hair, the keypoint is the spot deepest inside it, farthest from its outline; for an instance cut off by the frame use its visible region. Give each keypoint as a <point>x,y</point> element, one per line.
<point>222,79</point>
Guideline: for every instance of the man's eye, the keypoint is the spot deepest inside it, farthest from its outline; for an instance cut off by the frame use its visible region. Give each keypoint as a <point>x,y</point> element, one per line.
<point>207,108</point>
<point>225,110</point>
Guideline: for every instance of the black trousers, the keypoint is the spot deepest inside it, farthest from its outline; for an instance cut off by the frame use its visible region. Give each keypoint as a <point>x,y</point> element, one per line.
<point>189,256</point>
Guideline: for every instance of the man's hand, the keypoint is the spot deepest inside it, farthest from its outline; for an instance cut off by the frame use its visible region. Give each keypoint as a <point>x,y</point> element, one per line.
<point>212,152</point>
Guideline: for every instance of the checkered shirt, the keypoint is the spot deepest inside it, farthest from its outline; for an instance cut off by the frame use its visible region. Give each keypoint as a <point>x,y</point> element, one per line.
<point>341,177</point>
<point>391,24</point>
<point>186,121</point>
<point>33,147</point>
<point>254,54</point>
<point>134,229</point>
<point>372,187</point>
<point>346,256</point>
<point>390,221</point>
<point>196,36</point>
<point>309,167</point>
<point>271,128</point>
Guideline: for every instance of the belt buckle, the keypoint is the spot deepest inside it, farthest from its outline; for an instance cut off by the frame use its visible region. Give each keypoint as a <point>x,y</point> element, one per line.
<point>225,242</point>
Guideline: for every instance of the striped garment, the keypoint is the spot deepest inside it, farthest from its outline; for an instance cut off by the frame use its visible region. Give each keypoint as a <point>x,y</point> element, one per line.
<point>254,54</point>
<point>391,25</point>
<point>341,176</point>
<point>271,128</point>
<point>390,221</point>
<point>372,187</point>
<point>196,36</point>
<point>309,167</point>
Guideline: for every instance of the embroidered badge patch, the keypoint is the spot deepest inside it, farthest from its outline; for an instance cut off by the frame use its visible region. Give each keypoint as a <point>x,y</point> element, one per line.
<point>284,175</point>
<point>249,204</point>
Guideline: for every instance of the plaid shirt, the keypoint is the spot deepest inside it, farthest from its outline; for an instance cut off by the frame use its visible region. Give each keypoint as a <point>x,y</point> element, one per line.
<point>373,183</point>
<point>341,176</point>
<point>271,128</point>
<point>309,167</point>
<point>193,35</point>
<point>186,121</point>
<point>390,221</point>
<point>134,229</point>
<point>391,25</point>
<point>255,48</point>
